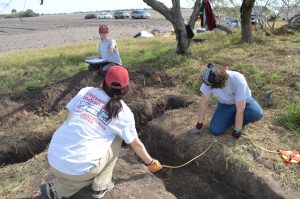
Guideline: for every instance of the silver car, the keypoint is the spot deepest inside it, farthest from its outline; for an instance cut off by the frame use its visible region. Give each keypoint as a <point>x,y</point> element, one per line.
<point>140,14</point>
<point>121,15</point>
<point>104,15</point>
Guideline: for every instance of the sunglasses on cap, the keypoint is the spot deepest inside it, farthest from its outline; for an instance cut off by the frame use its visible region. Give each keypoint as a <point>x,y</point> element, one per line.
<point>209,75</point>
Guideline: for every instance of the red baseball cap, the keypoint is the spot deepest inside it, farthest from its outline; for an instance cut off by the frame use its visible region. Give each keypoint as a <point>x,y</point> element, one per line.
<point>117,77</point>
<point>103,29</point>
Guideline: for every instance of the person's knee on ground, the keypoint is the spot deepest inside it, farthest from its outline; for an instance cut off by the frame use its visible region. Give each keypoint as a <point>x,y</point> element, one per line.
<point>216,131</point>
<point>253,112</point>
<point>252,117</point>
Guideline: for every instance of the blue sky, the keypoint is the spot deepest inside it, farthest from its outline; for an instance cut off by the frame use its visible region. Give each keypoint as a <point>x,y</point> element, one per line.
<point>67,6</point>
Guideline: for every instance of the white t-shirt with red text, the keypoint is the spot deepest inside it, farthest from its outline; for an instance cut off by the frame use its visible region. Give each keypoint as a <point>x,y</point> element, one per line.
<point>86,136</point>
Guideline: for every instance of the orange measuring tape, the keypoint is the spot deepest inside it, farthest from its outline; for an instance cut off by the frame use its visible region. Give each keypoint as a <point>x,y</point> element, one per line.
<point>288,156</point>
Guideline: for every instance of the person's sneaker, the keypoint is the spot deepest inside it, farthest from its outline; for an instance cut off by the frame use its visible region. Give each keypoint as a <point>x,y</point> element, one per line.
<point>48,191</point>
<point>102,192</point>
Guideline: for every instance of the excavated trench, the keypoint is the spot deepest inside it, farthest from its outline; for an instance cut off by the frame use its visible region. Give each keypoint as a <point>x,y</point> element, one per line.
<point>31,144</point>
<point>161,121</point>
<point>210,176</point>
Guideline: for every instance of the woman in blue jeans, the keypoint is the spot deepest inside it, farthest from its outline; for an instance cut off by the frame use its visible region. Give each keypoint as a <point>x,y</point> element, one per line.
<point>236,107</point>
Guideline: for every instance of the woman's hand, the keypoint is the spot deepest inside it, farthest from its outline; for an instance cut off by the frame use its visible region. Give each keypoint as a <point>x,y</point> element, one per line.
<point>154,166</point>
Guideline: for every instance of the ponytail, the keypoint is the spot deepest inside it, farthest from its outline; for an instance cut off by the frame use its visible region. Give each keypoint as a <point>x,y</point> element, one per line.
<point>114,106</point>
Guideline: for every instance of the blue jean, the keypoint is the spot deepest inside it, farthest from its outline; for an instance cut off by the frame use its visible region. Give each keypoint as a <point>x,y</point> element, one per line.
<point>224,116</point>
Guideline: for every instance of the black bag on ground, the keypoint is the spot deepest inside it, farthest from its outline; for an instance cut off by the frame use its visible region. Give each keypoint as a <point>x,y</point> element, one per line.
<point>189,31</point>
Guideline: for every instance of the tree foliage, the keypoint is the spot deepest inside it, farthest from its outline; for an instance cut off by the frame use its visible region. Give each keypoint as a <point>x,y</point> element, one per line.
<point>28,13</point>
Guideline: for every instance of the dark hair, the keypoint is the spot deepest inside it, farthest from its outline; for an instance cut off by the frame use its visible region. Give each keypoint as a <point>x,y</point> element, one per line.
<point>114,106</point>
<point>220,79</point>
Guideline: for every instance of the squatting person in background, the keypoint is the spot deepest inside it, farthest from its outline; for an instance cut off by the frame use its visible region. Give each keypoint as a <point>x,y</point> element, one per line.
<point>84,150</point>
<point>236,107</point>
<point>108,51</point>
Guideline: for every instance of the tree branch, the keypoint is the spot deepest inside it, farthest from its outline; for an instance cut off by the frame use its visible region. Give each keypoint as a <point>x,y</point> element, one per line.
<point>176,7</point>
<point>159,7</point>
<point>5,4</point>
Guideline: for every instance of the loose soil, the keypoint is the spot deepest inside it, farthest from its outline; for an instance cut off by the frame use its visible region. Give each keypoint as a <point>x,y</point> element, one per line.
<point>163,117</point>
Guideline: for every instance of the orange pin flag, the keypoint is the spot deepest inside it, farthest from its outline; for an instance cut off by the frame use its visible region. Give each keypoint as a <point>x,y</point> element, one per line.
<point>158,79</point>
<point>12,175</point>
<point>25,113</point>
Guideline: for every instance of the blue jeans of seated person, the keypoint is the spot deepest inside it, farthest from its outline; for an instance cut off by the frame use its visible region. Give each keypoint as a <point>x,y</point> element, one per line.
<point>224,116</point>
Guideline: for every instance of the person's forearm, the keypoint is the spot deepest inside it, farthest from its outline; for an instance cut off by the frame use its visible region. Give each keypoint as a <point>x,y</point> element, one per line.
<point>202,110</point>
<point>140,150</point>
<point>239,118</point>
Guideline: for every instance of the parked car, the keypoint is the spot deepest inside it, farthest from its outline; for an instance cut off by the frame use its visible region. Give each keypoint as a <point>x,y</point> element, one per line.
<point>140,14</point>
<point>104,15</point>
<point>90,16</point>
<point>121,15</point>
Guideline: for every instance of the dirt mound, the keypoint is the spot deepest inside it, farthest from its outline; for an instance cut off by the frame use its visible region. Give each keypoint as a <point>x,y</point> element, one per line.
<point>284,30</point>
<point>53,98</point>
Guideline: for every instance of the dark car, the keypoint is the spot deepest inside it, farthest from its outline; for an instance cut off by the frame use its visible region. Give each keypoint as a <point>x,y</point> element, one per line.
<point>140,14</point>
<point>121,15</point>
<point>90,16</point>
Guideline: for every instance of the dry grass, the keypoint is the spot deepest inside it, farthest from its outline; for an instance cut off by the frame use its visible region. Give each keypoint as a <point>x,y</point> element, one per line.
<point>23,180</point>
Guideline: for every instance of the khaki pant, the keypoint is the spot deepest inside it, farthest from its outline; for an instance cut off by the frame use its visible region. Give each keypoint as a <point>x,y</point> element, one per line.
<point>99,176</point>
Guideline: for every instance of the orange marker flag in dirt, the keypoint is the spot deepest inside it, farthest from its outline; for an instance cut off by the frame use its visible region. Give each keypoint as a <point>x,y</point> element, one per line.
<point>25,113</point>
<point>158,79</point>
<point>12,175</point>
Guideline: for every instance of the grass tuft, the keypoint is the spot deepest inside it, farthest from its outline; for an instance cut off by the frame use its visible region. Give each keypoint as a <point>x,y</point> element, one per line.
<point>290,118</point>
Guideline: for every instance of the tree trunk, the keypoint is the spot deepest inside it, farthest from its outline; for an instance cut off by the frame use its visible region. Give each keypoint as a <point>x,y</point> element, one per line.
<point>246,10</point>
<point>183,42</point>
<point>175,17</point>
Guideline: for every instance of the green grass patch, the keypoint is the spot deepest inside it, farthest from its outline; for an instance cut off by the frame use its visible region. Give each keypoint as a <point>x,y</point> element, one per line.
<point>146,52</point>
<point>31,69</point>
<point>290,118</point>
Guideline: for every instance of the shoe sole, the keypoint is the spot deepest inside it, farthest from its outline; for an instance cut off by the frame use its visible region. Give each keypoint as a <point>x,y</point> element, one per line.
<point>110,187</point>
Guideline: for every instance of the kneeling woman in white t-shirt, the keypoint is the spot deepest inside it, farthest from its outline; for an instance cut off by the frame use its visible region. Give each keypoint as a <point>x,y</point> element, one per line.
<point>236,106</point>
<point>84,150</point>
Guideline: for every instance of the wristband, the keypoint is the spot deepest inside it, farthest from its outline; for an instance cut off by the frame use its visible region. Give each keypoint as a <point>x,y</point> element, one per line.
<point>199,125</point>
<point>238,130</point>
<point>150,162</point>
